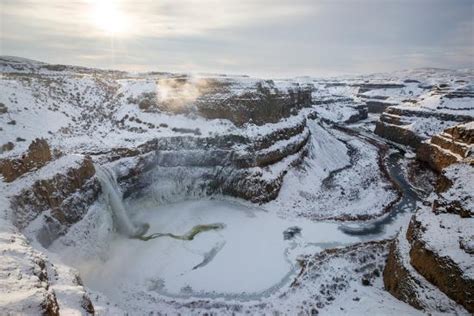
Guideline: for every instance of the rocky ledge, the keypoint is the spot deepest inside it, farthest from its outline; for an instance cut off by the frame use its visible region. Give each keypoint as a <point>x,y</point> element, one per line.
<point>37,155</point>
<point>249,166</point>
<point>454,144</point>
<point>418,119</point>
<point>56,196</point>
<point>430,262</point>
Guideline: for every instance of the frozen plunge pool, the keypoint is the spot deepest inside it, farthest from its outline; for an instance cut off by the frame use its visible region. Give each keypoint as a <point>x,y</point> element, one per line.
<point>245,258</point>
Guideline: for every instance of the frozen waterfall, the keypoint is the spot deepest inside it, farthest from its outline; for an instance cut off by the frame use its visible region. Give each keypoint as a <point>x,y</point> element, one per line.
<point>114,199</point>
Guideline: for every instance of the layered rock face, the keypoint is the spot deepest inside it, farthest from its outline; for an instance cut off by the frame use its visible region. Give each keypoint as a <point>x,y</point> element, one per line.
<point>375,95</point>
<point>416,120</point>
<point>59,193</point>
<point>194,135</point>
<point>254,101</point>
<point>245,166</point>
<point>454,144</point>
<point>336,102</point>
<point>168,135</point>
<point>264,103</point>
<point>430,262</point>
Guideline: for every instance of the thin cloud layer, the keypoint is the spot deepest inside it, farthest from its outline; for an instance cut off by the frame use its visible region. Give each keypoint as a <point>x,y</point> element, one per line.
<point>267,38</point>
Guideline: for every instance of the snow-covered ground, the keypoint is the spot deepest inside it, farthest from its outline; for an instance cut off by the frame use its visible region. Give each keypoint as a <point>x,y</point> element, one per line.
<point>244,264</point>
<point>247,262</point>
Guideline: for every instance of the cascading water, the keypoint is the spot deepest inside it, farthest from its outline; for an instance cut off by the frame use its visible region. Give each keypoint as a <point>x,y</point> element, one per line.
<point>114,200</point>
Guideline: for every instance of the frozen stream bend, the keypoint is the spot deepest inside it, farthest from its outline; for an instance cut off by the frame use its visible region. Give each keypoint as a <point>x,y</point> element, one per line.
<point>245,258</point>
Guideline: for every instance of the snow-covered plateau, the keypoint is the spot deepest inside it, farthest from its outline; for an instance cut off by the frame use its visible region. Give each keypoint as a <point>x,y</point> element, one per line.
<point>162,193</point>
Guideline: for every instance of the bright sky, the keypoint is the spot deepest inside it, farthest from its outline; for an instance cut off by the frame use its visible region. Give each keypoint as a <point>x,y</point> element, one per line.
<point>256,37</point>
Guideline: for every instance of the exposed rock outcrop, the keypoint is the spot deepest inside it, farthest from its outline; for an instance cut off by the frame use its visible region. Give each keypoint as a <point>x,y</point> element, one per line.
<point>236,136</point>
<point>266,104</point>
<point>397,133</point>
<point>455,144</point>
<point>242,166</point>
<point>406,284</point>
<point>434,251</point>
<point>364,87</point>
<point>37,156</point>
<point>259,102</point>
<point>443,267</point>
<point>377,106</point>
<point>455,187</point>
<point>397,278</point>
<point>412,123</point>
<point>62,193</point>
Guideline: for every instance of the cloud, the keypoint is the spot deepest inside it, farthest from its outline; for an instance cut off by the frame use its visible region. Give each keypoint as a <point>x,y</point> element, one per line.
<point>259,37</point>
<point>165,18</point>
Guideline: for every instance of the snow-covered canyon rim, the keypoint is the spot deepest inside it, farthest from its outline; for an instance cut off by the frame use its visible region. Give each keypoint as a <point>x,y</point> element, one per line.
<point>131,193</point>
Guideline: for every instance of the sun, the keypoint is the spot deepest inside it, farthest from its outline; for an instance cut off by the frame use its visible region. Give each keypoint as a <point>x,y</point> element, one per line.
<point>108,18</point>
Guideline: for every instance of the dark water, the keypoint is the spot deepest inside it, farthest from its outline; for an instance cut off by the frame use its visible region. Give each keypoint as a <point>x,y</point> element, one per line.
<point>406,205</point>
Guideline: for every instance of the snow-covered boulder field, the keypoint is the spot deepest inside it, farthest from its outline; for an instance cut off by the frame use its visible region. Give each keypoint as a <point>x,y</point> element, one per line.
<point>161,193</point>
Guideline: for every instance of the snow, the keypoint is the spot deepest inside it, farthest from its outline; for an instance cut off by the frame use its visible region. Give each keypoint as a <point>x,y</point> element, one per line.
<point>238,269</point>
<point>20,286</point>
<point>429,296</point>
<point>303,188</point>
<point>373,301</point>
<point>447,244</point>
<point>338,112</point>
<point>425,127</point>
<point>165,268</point>
<point>245,267</point>
<point>462,175</point>
<point>396,95</point>
<point>462,106</point>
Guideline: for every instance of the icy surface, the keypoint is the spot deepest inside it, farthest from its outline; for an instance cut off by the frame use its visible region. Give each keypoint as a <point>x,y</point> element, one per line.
<point>239,267</point>
<point>246,260</point>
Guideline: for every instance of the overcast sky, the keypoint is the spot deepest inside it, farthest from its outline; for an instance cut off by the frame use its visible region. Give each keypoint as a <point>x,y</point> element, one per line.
<point>256,37</point>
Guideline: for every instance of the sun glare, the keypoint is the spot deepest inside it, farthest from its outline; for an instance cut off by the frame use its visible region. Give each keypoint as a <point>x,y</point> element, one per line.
<point>108,18</point>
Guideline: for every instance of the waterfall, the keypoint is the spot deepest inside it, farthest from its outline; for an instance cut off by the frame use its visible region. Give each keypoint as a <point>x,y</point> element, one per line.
<point>114,200</point>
